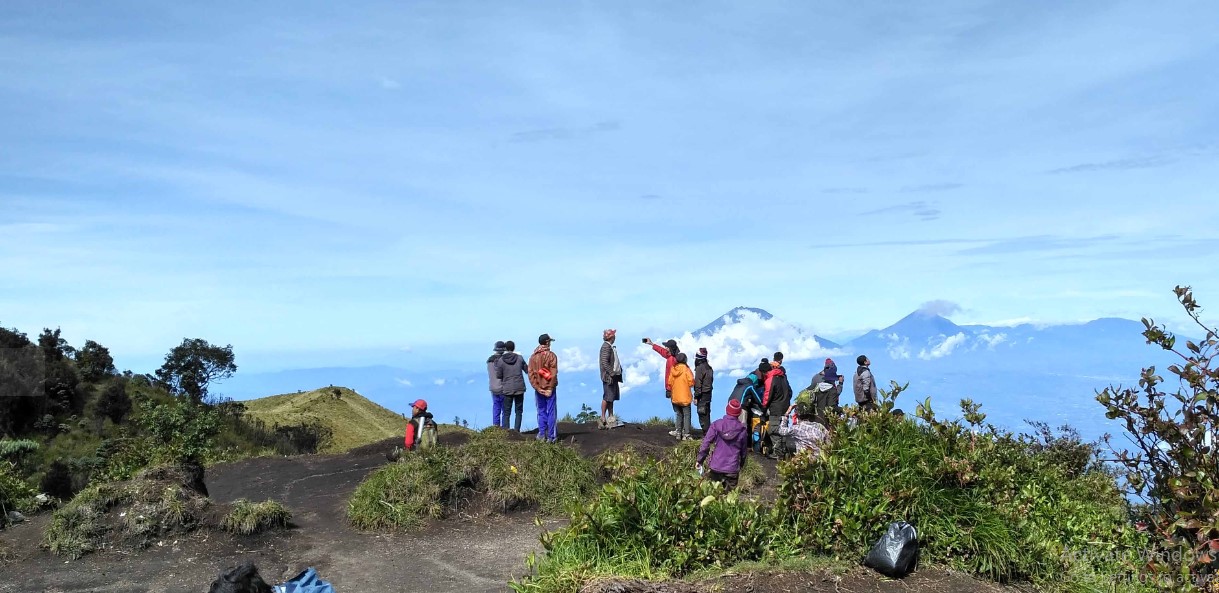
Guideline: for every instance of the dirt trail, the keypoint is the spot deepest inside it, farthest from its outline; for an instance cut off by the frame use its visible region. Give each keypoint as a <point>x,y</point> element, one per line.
<point>459,556</point>
<point>452,556</point>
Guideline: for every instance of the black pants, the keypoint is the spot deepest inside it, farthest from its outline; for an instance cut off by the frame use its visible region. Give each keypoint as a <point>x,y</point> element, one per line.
<point>728,480</point>
<point>704,411</point>
<point>517,401</point>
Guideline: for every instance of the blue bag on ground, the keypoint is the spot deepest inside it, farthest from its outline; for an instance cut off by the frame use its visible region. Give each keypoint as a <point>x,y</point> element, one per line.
<point>896,552</point>
<point>305,582</point>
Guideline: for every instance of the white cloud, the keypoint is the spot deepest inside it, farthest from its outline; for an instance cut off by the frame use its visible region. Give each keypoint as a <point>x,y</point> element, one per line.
<point>389,83</point>
<point>899,346</point>
<point>941,307</point>
<point>470,382</point>
<point>439,382</point>
<point>992,341</point>
<point>944,348</point>
<point>404,382</point>
<point>737,346</point>
<point>574,360</point>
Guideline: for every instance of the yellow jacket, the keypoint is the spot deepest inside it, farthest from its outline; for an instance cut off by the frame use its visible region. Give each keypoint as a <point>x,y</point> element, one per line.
<point>681,384</point>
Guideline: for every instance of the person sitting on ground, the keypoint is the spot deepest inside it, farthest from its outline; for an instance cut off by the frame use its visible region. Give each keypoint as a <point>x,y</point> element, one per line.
<point>511,369</point>
<point>421,430</point>
<point>704,379</point>
<point>727,444</point>
<point>681,381</point>
<point>796,435</point>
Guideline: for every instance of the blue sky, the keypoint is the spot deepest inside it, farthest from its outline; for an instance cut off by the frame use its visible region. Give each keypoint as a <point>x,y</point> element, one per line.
<point>299,177</point>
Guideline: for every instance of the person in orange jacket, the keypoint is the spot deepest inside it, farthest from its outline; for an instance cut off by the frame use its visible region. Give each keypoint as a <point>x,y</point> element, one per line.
<point>681,385</point>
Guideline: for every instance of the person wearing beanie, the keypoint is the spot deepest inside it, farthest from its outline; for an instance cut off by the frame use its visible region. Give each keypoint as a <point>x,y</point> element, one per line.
<point>681,380</point>
<point>826,388</point>
<point>724,447</point>
<point>510,369</point>
<point>704,378</point>
<point>669,351</point>
<point>865,384</point>
<point>497,388</point>
<point>611,378</point>
<point>544,377</point>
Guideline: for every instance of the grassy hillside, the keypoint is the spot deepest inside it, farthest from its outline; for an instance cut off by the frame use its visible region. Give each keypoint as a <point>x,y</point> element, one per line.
<point>354,420</point>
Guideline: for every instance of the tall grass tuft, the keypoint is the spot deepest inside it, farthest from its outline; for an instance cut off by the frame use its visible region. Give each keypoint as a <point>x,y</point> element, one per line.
<point>248,518</point>
<point>513,475</point>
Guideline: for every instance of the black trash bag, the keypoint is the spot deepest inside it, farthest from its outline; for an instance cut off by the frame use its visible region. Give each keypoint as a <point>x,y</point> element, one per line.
<point>896,552</point>
<point>240,579</point>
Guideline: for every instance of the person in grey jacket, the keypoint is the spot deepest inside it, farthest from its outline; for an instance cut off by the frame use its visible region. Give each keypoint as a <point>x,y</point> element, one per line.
<point>704,378</point>
<point>865,384</point>
<point>611,379</point>
<point>510,369</point>
<point>497,390</point>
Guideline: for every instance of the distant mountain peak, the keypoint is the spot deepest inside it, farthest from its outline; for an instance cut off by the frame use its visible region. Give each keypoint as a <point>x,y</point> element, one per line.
<point>733,316</point>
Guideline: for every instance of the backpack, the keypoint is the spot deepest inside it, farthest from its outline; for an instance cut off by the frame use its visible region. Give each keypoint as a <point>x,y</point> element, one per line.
<point>428,439</point>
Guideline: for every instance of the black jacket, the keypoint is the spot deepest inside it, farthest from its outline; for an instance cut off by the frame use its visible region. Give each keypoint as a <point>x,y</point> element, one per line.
<point>511,369</point>
<point>704,377</point>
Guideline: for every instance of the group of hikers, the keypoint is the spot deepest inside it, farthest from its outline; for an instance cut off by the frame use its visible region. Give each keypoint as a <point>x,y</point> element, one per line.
<point>762,413</point>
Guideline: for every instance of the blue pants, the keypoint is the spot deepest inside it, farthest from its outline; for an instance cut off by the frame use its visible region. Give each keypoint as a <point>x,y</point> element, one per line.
<point>547,415</point>
<point>497,411</point>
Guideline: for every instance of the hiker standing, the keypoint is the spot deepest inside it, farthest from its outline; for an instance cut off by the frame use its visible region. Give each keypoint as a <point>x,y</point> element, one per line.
<point>776,398</point>
<point>544,377</point>
<point>826,388</point>
<point>497,389</point>
<point>669,351</point>
<point>751,398</point>
<point>681,382</point>
<point>704,377</point>
<point>510,369</point>
<point>865,384</point>
<point>611,378</point>
<point>727,442</point>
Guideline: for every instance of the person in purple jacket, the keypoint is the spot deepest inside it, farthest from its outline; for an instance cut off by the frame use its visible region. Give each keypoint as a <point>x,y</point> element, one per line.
<point>727,442</point>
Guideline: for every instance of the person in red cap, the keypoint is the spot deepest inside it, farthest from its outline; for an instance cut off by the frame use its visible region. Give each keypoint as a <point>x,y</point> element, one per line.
<point>725,447</point>
<point>421,430</point>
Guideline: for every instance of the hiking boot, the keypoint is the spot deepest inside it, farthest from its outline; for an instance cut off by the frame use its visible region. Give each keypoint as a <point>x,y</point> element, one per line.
<point>687,438</point>
<point>602,425</point>
<point>674,433</point>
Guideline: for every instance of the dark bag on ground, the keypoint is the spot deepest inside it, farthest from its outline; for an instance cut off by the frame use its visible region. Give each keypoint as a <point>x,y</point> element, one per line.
<point>896,552</point>
<point>240,579</point>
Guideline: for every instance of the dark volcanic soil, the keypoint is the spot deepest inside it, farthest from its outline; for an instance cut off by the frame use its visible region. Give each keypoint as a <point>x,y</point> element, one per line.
<point>456,555</point>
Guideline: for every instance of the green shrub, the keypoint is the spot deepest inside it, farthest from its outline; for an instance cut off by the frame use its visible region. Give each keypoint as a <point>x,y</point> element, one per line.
<point>513,475</point>
<point>1171,461</point>
<point>984,501</point>
<point>79,526</point>
<point>248,518</point>
<point>16,449</point>
<point>15,493</point>
<point>659,521</point>
<point>135,512</point>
